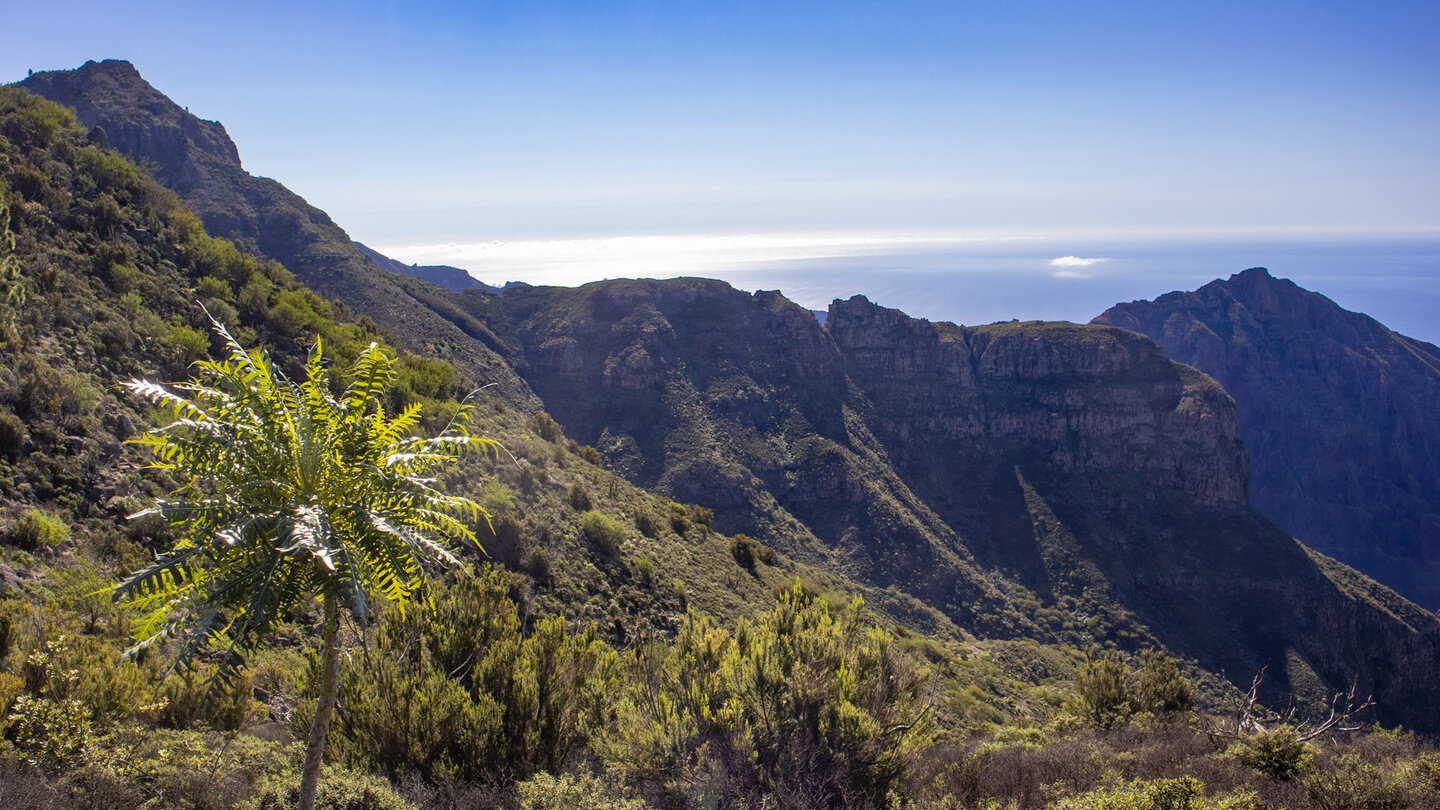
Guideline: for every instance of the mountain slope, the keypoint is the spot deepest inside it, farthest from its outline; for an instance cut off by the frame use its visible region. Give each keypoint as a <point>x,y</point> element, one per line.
<point>1338,412</point>
<point>1054,481</point>
<point>198,161</point>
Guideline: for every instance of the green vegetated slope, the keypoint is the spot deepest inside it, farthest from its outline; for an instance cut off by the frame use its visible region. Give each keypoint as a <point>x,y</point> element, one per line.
<point>1337,410</point>
<point>1052,481</point>
<point>197,160</point>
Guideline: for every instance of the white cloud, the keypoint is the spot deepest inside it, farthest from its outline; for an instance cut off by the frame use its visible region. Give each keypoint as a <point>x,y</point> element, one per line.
<point>576,261</point>
<point>1075,261</point>
<point>1069,274</point>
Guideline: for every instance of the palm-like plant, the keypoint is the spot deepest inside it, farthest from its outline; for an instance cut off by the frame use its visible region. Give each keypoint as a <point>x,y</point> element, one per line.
<point>289,492</point>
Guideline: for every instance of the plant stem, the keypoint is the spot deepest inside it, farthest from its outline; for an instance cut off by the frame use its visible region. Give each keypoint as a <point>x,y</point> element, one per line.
<point>329,688</point>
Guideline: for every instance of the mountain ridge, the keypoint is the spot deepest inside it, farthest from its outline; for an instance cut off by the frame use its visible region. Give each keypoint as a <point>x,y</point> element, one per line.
<point>198,161</point>
<point>1336,408</point>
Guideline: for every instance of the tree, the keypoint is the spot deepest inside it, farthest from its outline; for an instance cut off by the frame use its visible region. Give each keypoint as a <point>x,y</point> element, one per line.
<point>287,493</point>
<point>1100,683</point>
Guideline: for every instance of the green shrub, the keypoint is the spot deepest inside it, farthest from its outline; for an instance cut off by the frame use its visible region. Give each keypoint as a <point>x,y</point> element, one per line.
<point>12,434</point>
<point>646,568</point>
<point>1184,793</point>
<point>497,499</point>
<point>539,565</point>
<point>39,529</point>
<point>1279,752</point>
<point>571,792</point>
<point>578,498</point>
<point>340,789</point>
<point>602,531</point>
<point>51,732</point>
<point>1159,688</point>
<point>546,428</point>
<point>589,454</point>
<point>646,524</point>
<point>211,288</point>
<point>188,343</point>
<point>1100,683</point>
<point>124,277</point>
<point>1350,782</point>
<point>742,548</point>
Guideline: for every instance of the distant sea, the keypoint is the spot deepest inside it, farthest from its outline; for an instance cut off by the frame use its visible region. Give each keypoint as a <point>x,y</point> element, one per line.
<point>1395,279</point>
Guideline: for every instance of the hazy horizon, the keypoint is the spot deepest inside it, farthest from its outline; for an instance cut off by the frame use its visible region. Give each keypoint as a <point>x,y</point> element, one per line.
<point>769,144</point>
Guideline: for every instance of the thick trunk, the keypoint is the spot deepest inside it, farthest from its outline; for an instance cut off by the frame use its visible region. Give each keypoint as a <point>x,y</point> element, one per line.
<point>329,689</point>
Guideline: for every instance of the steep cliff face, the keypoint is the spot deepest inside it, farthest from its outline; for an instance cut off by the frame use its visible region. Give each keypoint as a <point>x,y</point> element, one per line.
<point>1338,412</point>
<point>1049,480</point>
<point>1131,475</point>
<point>198,161</point>
<point>1080,400</point>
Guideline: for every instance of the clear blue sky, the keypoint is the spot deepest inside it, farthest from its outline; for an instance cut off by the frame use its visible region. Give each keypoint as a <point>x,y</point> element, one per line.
<point>413,123</point>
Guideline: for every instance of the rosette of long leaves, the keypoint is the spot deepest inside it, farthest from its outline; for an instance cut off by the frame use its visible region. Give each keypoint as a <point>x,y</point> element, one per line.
<point>288,492</point>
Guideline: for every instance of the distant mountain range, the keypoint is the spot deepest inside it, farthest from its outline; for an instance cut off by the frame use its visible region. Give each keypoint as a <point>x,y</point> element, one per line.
<point>1339,413</point>
<point>1065,483</point>
<point>441,275</point>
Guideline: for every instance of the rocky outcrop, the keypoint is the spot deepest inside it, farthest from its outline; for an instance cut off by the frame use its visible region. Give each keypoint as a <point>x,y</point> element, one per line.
<point>1338,412</point>
<point>1082,400</point>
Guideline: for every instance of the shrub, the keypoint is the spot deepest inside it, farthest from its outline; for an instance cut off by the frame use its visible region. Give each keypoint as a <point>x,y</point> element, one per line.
<point>646,568</point>
<point>1184,793</point>
<point>497,499</point>
<point>340,789</point>
<point>1100,684</point>
<point>539,565</point>
<point>1279,752</point>
<point>742,548</point>
<point>645,523</point>
<point>12,434</point>
<point>602,531</point>
<point>1159,687</point>
<point>578,498</point>
<point>188,343</point>
<point>38,529</point>
<point>569,792</point>
<point>51,732</point>
<point>1350,782</point>
<point>546,428</point>
<point>124,277</point>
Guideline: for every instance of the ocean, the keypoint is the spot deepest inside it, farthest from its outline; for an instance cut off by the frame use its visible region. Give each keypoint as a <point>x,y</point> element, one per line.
<point>978,280</point>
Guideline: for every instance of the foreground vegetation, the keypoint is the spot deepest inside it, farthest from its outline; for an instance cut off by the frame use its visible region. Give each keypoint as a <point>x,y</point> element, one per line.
<point>481,703</point>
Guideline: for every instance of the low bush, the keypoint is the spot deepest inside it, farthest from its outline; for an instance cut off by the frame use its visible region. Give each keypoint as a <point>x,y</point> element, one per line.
<point>602,531</point>
<point>1278,753</point>
<point>570,792</point>
<point>38,529</point>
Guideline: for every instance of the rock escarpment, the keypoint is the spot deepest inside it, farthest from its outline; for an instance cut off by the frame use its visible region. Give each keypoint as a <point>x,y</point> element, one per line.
<point>1338,412</point>
<point>1078,399</point>
<point>1048,480</point>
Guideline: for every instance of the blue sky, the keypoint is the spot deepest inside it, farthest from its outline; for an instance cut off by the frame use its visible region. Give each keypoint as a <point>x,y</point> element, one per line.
<point>421,124</point>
